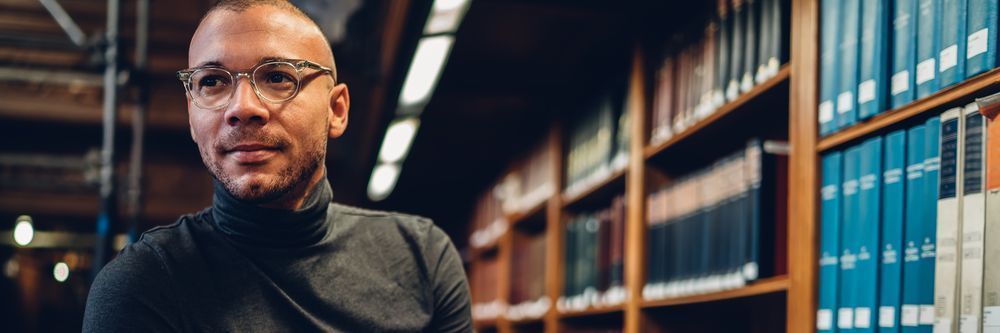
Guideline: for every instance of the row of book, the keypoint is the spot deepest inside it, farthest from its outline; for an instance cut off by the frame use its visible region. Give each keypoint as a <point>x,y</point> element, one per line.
<point>906,242</point>
<point>489,222</point>
<point>484,280</point>
<point>598,143</point>
<point>594,257</point>
<point>881,54</point>
<point>721,227</point>
<point>744,45</point>
<point>527,289</point>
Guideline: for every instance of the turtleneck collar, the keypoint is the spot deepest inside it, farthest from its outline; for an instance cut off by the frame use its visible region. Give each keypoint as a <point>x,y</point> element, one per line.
<point>256,227</point>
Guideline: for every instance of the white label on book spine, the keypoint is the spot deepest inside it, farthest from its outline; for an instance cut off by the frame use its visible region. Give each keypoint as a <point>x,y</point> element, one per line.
<point>845,318</point>
<point>925,71</point>
<point>824,319</point>
<point>845,102</point>
<point>968,324</point>
<point>900,82</point>
<point>991,319</point>
<point>826,112</point>
<point>866,92</point>
<point>887,316</point>
<point>862,317</point>
<point>927,315</point>
<point>910,315</point>
<point>942,325</point>
<point>978,43</point>
<point>949,58</point>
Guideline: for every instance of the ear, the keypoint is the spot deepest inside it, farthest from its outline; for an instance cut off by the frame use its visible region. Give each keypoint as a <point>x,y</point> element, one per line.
<point>340,105</point>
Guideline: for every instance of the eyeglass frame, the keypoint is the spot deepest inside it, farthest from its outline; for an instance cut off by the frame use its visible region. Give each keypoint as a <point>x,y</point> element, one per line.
<point>185,75</point>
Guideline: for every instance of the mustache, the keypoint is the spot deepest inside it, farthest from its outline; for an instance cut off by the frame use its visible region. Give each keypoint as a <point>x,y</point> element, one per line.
<point>243,135</point>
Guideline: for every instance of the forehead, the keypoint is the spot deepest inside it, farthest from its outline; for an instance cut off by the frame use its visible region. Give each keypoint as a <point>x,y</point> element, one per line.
<point>239,40</point>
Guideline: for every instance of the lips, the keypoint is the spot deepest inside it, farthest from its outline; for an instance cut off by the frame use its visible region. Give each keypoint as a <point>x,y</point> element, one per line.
<point>251,153</point>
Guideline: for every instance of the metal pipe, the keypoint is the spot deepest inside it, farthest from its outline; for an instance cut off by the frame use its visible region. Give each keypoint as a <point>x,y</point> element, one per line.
<point>109,209</point>
<point>66,22</point>
<point>138,121</point>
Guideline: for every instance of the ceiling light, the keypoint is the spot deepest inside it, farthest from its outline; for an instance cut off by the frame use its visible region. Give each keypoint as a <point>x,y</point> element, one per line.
<point>383,180</point>
<point>398,139</point>
<point>425,69</point>
<point>60,272</point>
<point>24,232</point>
<point>445,16</point>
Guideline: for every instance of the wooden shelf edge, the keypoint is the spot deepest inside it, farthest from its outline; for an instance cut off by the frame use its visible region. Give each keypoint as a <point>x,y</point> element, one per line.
<point>915,108</point>
<point>783,74</point>
<point>596,311</point>
<point>615,176</point>
<point>762,287</point>
<point>527,322</point>
<point>537,210</point>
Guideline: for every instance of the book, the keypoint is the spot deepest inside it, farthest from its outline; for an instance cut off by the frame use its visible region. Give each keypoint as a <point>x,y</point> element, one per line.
<point>904,37</point>
<point>951,42</point>
<point>847,111</point>
<point>723,35</point>
<point>893,210</point>
<point>829,84</point>
<point>872,70</point>
<point>751,43</point>
<point>764,36</point>
<point>991,237</point>
<point>849,238</point>
<point>928,249</point>
<point>737,47</point>
<point>973,222</point>
<point>913,278</point>
<point>928,26</point>
<point>867,235</point>
<point>829,248</point>
<point>981,42</point>
<point>949,221</point>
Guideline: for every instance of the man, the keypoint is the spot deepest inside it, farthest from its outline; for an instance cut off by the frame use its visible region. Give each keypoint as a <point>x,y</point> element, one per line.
<point>273,253</point>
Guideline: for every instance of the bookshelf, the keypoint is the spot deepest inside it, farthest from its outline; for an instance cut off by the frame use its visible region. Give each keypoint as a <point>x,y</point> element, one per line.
<point>783,302</point>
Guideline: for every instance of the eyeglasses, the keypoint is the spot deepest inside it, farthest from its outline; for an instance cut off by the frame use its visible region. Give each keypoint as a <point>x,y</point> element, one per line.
<point>273,81</point>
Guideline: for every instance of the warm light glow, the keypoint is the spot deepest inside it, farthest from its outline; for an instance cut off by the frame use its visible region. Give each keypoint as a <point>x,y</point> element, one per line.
<point>397,140</point>
<point>24,232</point>
<point>445,16</point>
<point>61,272</point>
<point>425,69</point>
<point>383,181</point>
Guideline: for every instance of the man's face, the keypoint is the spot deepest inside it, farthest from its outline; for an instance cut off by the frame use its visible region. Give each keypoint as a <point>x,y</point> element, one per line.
<point>262,151</point>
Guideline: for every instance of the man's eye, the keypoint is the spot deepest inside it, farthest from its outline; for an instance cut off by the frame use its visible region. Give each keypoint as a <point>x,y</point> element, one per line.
<point>279,77</point>
<point>210,81</point>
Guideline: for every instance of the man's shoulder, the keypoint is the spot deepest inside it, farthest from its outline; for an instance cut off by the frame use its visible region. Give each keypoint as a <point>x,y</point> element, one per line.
<point>179,231</point>
<point>379,218</point>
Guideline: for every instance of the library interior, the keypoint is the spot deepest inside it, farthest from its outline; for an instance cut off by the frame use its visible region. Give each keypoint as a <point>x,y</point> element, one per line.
<point>576,153</point>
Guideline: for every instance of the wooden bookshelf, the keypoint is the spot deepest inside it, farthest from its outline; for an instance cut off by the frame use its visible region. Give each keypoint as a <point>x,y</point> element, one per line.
<point>605,188</point>
<point>955,95</point>
<point>762,287</point>
<point>535,212</point>
<point>593,312</point>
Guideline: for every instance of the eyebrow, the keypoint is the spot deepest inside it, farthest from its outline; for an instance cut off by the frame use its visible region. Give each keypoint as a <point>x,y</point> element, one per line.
<point>216,63</point>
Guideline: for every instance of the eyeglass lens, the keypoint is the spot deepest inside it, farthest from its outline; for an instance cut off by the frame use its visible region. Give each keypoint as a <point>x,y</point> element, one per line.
<point>275,82</point>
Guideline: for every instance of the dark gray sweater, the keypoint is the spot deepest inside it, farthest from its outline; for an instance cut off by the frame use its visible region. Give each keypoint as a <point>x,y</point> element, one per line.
<point>235,267</point>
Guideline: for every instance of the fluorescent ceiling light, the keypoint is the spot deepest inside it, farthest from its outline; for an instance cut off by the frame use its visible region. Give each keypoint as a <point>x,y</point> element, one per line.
<point>383,181</point>
<point>24,232</point>
<point>398,139</point>
<point>445,16</point>
<point>425,69</point>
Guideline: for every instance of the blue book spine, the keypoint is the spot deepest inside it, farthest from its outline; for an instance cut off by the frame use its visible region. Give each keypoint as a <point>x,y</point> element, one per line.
<point>849,239</point>
<point>873,87</point>
<point>928,257</point>
<point>981,43</point>
<point>951,43</point>
<point>927,49</point>
<point>904,56</point>
<point>826,315</point>
<point>893,194</point>
<point>866,290</point>
<point>913,279</point>
<point>850,23</point>
<point>829,75</point>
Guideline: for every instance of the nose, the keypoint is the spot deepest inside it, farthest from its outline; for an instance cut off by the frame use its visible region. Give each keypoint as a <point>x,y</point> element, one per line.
<point>245,107</point>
